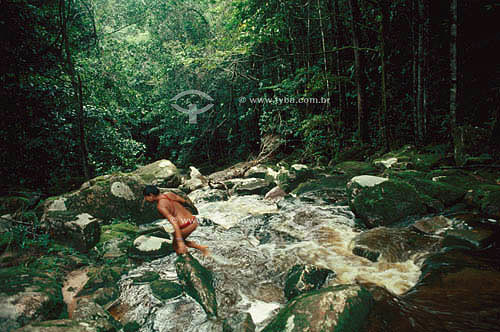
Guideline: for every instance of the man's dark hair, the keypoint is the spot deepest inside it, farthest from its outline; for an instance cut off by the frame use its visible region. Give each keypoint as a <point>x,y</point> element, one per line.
<point>150,189</point>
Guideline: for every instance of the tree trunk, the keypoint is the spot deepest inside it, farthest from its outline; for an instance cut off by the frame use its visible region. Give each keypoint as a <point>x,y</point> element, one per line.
<point>76,83</point>
<point>456,133</point>
<point>325,65</point>
<point>358,65</point>
<point>420,73</point>
<point>383,117</point>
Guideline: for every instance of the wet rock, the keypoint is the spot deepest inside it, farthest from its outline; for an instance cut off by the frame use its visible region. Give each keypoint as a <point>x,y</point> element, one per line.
<point>490,206</point>
<point>165,289</point>
<point>433,225</point>
<point>275,194</point>
<point>197,282</point>
<point>249,186</point>
<point>90,312</point>
<point>392,244</point>
<point>476,238</point>
<point>304,278</point>
<point>208,195</point>
<point>340,308</point>
<point>241,322</point>
<point>151,247</point>
<point>381,202</point>
<point>61,325</point>
<point>27,296</point>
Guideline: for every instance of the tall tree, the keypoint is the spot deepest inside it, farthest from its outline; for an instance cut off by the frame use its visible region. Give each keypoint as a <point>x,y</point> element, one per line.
<point>359,69</point>
<point>456,133</point>
<point>384,6</point>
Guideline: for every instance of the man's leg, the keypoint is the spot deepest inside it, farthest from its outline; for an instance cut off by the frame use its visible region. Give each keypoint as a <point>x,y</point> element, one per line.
<point>186,231</point>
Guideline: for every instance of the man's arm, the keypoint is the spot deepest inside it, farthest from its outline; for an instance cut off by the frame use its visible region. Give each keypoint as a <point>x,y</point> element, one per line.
<point>175,197</point>
<point>177,230</point>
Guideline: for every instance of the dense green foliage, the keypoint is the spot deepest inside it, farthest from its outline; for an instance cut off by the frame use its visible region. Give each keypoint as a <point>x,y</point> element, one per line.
<point>133,57</point>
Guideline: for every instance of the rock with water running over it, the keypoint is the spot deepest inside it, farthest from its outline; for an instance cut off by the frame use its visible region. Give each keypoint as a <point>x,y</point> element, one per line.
<point>88,311</point>
<point>241,322</point>
<point>304,278</point>
<point>392,244</point>
<point>381,202</point>
<point>197,282</point>
<point>476,238</point>
<point>340,308</point>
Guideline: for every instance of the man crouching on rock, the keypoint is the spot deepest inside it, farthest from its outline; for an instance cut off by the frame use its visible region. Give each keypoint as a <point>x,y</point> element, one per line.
<point>170,206</point>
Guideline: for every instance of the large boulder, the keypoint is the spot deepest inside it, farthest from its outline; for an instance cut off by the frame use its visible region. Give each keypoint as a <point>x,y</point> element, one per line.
<point>304,278</point>
<point>78,230</point>
<point>117,195</point>
<point>340,308</point>
<point>161,173</point>
<point>208,195</point>
<point>380,201</point>
<point>197,282</point>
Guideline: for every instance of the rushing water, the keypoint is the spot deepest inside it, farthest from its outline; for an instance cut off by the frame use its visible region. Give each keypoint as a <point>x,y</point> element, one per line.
<point>254,243</point>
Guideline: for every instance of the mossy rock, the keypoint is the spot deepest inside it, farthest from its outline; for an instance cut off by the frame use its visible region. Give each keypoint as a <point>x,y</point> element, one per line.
<point>304,278</point>
<point>118,230</point>
<point>28,295</point>
<point>384,202</point>
<point>446,193</point>
<point>411,158</point>
<point>353,168</point>
<point>60,325</point>
<point>329,188</point>
<point>342,308</point>
<point>289,177</point>
<point>148,276</point>
<point>101,277</point>
<point>197,282</point>
<point>165,289</point>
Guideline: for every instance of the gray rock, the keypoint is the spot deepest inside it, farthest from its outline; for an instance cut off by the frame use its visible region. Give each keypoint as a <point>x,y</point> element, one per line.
<point>61,325</point>
<point>275,194</point>
<point>146,246</point>
<point>250,186</point>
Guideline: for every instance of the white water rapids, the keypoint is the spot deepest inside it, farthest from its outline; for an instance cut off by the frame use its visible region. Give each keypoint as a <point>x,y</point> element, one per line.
<point>254,243</point>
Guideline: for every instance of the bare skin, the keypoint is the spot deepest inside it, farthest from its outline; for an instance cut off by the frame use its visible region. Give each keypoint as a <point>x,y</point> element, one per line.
<point>169,205</point>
